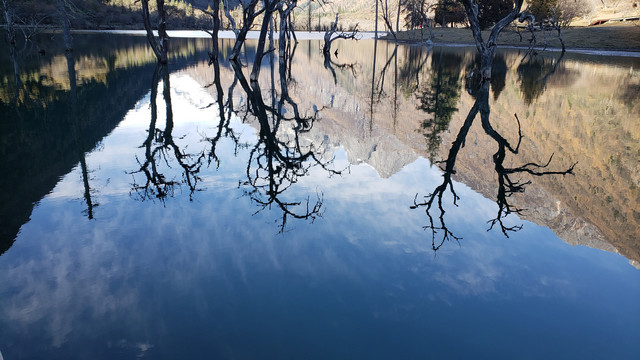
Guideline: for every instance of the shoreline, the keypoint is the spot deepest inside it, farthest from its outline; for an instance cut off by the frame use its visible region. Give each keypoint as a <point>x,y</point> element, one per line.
<point>584,51</point>
<point>370,35</point>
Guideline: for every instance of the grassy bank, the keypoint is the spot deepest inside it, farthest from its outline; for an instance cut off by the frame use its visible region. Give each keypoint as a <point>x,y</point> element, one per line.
<point>603,37</point>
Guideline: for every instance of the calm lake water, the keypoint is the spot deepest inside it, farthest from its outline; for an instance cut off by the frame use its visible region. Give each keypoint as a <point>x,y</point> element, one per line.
<point>161,214</point>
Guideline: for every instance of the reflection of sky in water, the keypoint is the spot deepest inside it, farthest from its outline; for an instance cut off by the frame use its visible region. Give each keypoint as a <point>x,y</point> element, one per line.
<point>209,279</point>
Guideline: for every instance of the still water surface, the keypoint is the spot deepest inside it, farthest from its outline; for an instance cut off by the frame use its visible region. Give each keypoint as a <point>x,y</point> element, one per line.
<point>137,224</point>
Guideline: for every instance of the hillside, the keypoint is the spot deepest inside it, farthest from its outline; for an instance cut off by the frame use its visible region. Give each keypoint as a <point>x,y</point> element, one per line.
<point>97,14</point>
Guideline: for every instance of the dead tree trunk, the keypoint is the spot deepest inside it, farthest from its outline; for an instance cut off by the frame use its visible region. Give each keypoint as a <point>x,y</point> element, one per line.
<point>159,46</point>
<point>376,30</point>
<point>64,21</point>
<point>215,22</point>
<point>248,15</point>
<point>285,10</point>
<point>329,36</point>
<point>227,14</point>
<point>386,18</point>
<point>9,23</point>
<point>487,49</point>
<point>269,8</point>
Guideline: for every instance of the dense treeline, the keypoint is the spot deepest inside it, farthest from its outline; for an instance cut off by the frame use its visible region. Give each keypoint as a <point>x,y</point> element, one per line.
<point>451,12</point>
<point>101,14</point>
<point>105,14</point>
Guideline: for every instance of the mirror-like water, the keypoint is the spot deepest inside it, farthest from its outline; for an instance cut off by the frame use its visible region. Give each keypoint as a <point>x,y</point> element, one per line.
<point>176,213</point>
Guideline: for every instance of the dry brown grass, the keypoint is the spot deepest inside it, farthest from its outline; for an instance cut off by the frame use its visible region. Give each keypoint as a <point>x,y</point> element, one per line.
<point>624,37</point>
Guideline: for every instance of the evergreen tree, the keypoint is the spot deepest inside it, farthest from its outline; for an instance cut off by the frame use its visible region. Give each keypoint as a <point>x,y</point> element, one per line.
<point>542,9</point>
<point>449,12</point>
<point>491,11</point>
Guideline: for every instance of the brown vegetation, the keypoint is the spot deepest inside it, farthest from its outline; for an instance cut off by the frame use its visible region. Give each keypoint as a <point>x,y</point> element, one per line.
<point>607,37</point>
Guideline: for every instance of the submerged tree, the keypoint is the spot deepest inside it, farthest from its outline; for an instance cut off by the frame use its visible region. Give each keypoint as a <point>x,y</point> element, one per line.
<point>28,26</point>
<point>66,25</point>
<point>387,17</point>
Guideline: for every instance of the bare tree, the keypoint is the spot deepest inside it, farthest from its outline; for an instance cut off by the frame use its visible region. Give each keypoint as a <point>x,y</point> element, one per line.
<point>285,12</point>
<point>269,7</point>
<point>230,18</point>
<point>487,49</point>
<point>28,26</point>
<point>159,45</point>
<point>160,147</point>
<point>249,14</point>
<point>9,18</point>
<point>277,161</point>
<point>331,35</point>
<point>66,25</point>
<point>215,21</point>
<point>386,16</point>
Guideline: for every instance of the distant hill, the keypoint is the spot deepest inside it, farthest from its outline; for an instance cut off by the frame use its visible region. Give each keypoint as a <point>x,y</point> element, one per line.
<point>125,13</point>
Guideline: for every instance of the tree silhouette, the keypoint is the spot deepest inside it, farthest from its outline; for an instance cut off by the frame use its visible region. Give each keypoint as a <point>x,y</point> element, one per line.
<point>279,159</point>
<point>161,149</point>
<point>507,185</point>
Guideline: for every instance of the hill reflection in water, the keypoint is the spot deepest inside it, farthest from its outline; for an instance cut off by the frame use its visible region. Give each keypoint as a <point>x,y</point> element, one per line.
<point>420,101</point>
<point>274,223</point>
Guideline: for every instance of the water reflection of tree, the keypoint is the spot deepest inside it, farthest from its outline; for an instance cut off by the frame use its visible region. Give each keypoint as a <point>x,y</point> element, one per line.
<point>439,97</point>
<point>533,74</point>
<point>225,109</point>
<point>279,159</point>
<point>508,185</point>
<point>77,134</point>
<point>409,71</point>
<point>378,91</point>
<point>161,148</point>
<point>498,75</point>
<point>332,65</point>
